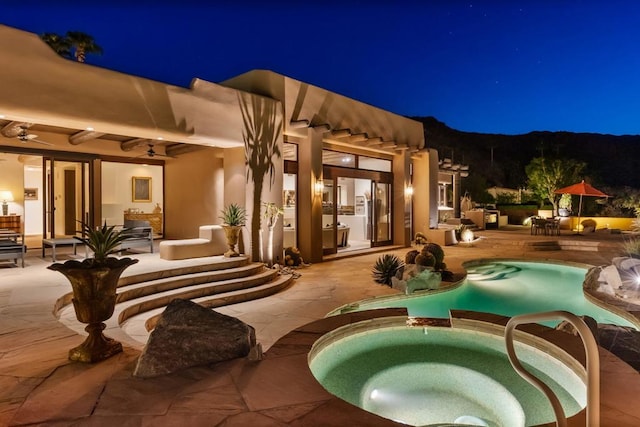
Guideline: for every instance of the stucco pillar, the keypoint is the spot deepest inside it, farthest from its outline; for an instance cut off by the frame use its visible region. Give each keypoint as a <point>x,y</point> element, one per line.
<point>425,191</point>
<point>309,201</point>
<point>236,190</point>
<point>401,200</point>
<point>456,194</point>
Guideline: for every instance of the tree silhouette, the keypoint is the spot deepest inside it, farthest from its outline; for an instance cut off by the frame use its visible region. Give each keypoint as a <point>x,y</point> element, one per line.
<point>260,134</point>
<point>58,43</point>
<point>74,41</point>
<point>547,175</point>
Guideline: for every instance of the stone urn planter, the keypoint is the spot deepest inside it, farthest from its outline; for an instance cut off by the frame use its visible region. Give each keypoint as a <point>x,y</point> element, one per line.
<point>233,219</point>
<point>94,282</point>
<point>232,233</point>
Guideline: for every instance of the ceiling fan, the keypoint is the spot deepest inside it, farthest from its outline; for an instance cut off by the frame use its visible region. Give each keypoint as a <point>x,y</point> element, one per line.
<point>151,152</point>
<point>25,136</point>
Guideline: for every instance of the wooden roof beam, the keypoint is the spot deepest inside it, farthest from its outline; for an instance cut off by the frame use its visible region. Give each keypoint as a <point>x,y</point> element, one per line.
<point>358,137</point>
<point>323,127</point>
<point>84,136</point>
<point>298,124</point>
<point>341,133</point>
<point>174,150</point>
<point>372,142</point>
<point>133,143</point>
<point>12,129</point>
<point>388,144</point>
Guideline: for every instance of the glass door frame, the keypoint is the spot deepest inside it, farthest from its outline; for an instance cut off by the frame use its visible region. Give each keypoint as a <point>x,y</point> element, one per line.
<point>332,173</point>
<point>375,225</point>
<point>49,185</point>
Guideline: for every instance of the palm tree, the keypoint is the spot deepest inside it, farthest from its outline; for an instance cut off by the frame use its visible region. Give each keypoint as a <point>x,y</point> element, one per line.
<point>58,43</point>
<point>80,42</point>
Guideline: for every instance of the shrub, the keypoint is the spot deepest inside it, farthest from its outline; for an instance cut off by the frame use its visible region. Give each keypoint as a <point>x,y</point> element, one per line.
<point>387,267</point>
<point>410,257</point>
<point>437,252</point>
<point>426,259</point>
<point>420,239</point>
<point>292,257</point>
<point>632,247</point>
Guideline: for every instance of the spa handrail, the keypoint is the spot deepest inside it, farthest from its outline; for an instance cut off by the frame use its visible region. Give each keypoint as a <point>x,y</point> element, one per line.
<point>593,363</point>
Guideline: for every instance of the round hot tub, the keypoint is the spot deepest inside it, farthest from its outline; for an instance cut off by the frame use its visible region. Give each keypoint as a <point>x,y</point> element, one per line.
<point>441,375</point>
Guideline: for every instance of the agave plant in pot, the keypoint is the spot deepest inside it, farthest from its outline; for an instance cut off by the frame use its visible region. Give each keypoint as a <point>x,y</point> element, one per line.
<point>233,219</point>
<point>94,281</point>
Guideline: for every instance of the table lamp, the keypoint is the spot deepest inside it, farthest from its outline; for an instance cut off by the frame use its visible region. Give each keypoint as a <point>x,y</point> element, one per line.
<point>5,196</point>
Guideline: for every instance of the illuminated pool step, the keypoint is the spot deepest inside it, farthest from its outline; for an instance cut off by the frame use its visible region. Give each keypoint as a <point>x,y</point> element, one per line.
<point>493,271</point>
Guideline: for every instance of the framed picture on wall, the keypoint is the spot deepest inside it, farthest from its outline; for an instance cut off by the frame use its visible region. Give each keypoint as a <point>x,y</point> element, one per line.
<point>360,200</point>
<point>31,194</point>
<point>141,188</point>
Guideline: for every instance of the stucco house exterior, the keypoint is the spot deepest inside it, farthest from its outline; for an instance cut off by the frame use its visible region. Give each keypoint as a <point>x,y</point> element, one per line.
<point>76,139</point>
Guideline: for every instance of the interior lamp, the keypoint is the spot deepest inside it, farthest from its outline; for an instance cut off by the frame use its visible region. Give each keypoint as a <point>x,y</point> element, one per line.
<point>5,196</point>
<point>319,187</point>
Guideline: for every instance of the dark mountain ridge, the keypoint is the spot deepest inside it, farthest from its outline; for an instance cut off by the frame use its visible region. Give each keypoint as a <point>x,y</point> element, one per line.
<point>612,161</point>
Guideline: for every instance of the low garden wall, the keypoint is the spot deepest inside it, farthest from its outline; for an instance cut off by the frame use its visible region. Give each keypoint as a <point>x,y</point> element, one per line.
<point>518,213</point>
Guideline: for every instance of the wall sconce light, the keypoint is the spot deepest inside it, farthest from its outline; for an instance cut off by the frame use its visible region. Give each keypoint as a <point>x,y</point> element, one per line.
<point>5,196</point>
<point>318,187</point>
<point>408,191</point>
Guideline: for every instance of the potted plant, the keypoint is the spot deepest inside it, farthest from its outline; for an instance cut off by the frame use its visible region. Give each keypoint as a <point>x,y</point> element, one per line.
<point>233,219</point>
<point>564,205</point>
<point>271,214</point>
<point>94,281</point>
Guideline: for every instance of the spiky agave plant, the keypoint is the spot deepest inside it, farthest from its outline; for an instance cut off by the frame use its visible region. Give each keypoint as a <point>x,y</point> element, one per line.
<point>103,241</point>
<point>233,215</point>
<point>385,268</point>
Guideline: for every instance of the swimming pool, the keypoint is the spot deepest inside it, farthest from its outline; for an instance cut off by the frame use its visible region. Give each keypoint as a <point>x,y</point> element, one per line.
<point>507,288</point>
<point>434,375</point>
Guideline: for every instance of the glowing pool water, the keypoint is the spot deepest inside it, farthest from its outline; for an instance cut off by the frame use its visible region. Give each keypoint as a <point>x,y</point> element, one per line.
<point>507,288</point>
<point>434,375</point>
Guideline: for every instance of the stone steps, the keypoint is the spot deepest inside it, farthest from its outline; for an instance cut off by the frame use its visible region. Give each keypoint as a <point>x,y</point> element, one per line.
<point>161,298</point>
<point>544,245</point>
<point>143,295</point>
<point>156,286</point>
<point>233,297</point>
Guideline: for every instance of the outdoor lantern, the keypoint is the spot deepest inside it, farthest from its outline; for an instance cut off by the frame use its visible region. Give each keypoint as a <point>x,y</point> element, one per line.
<point>467,235</point>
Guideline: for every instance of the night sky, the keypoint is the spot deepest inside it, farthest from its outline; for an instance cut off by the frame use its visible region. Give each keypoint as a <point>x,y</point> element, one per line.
<point>493,66</point>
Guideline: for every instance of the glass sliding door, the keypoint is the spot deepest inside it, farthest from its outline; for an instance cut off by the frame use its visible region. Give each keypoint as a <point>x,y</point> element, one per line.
<point>357,211</point>
<point>329,212</point>
<point>381,214</point>
<point>66,194</point>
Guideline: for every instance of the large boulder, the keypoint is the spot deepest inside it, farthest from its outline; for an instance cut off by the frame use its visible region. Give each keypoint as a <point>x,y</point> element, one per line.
<point>189,335</point>
<point>622,341</point>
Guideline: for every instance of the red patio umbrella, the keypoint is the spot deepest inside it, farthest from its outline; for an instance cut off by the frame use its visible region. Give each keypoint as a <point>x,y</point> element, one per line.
<point>581,189</point>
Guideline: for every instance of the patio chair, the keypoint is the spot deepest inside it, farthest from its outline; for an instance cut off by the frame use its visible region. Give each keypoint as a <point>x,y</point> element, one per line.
<point>538,225</point>
<point>552,227</point>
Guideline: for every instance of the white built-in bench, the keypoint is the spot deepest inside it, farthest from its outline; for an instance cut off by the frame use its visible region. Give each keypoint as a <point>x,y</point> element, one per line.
<point>211,241</point>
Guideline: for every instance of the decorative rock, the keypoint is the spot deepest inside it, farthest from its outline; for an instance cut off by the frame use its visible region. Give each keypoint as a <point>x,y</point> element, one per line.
<point>427,279</point>
<point>609,280</point>
<point>591,323</point>
<point>189,335</point>
<point>399,284</point>
<point>622,341</point>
